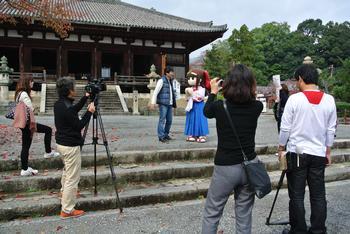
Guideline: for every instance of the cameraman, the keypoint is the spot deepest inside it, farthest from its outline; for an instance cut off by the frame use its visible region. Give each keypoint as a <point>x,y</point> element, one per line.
<point>69,140</point>
<point>308,125</point>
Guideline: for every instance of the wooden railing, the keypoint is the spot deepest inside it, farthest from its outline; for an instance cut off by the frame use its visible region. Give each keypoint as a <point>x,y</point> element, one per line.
<point>37,77</point>
<point>123,81</point>
<point>131,81</point>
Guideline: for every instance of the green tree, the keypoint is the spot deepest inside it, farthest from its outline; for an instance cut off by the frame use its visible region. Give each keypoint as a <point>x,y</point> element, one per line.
<point>312,28</point>
<point>217,60</point>
<point>334,46</point>
<point>269,41</point>
<point>342,89</point>
<point>242,46</point>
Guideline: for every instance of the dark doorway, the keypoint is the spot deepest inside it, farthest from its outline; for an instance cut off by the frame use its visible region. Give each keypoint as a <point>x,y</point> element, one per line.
<point>111,63</point>
<point>11,53</point>
<point>44,59</point>
<point>142,64</point>
<point>79,64</point>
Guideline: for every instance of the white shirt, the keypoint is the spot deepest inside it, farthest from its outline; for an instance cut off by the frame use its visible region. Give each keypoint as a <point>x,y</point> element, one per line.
<point>157,90</point>
<point>311,127</point>
<point>198,95</point>
<point>24,97</point>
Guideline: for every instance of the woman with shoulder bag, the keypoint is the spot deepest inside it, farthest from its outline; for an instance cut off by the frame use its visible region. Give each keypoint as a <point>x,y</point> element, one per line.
<point>22,94</point>
<point>229,174</point>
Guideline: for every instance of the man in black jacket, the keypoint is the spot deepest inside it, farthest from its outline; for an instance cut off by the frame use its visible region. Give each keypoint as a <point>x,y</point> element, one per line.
<point>68,140</point>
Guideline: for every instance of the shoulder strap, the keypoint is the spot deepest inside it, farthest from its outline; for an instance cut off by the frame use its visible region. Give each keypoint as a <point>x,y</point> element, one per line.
<point>18,96</point>
<point>234,130</point>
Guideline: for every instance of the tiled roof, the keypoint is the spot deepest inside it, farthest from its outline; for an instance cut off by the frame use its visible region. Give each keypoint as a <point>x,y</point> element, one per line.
<point>120,14</point>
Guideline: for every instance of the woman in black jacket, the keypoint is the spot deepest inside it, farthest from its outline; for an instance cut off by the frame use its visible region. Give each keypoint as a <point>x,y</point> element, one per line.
<point>69,141</point>
<point>229,176</point>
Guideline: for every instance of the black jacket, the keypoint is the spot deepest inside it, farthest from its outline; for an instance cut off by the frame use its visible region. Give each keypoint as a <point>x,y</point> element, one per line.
<point>67,122</point>
<point>245,118</point>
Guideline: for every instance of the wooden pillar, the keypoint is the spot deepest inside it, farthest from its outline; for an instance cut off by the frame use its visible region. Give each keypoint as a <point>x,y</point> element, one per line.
<point>96,57</point>
<point>21,58</point>
<point>187,62</point>
<point>128,61</point>
<point>59,61</point>
<point>27,59</point>
<point>98,63</point>
<point>64,61</point>
<point>164,62</point>
<point>157,58</point>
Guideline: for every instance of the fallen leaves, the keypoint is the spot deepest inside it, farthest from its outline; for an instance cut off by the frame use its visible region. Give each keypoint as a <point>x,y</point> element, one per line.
<point>114,138</point>
<point>5,155</point>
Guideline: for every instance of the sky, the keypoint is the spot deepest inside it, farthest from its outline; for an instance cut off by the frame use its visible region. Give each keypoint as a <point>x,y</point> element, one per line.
<point>253,13</point>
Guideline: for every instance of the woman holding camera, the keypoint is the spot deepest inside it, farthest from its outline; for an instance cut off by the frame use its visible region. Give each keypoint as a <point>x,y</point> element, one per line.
<point>22,94</point>
<point>229,175</point>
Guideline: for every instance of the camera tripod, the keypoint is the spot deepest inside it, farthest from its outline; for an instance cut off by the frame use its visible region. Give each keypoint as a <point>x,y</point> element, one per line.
<point>96,121</point>
<point>279,185</point>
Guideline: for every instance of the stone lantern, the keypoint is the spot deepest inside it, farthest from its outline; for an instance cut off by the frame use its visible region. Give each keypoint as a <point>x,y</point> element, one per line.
<point>153,78</point>
<point>4,80</point>
<point>307,60</point>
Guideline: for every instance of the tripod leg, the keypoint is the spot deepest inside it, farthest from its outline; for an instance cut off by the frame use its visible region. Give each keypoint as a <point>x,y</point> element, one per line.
<point>110,162</point>
<point>85,131</point>
<point>95,142</point>
<point>279,185</point>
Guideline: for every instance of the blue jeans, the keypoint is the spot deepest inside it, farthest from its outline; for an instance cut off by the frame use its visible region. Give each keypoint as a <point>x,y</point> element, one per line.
<point>165,120</point>
<point>311,169</point>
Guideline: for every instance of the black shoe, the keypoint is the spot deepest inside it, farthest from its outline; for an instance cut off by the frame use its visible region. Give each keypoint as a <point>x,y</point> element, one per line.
<point>163,140</point>
<point>168,138</point>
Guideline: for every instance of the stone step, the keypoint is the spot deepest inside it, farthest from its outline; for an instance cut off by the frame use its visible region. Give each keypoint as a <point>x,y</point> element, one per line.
<point>113,112</point>
<point>341,149</point>
<point>11,181</point>
<point>109,100</point>
<point>34,204</point>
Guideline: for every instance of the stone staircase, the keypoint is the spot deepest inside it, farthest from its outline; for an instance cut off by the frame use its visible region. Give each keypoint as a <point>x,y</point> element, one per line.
<point>144,177</point>
<point>109,100</point>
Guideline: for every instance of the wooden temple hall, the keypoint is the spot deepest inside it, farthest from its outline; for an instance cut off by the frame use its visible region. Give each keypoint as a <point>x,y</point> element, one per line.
<point>109,38</point>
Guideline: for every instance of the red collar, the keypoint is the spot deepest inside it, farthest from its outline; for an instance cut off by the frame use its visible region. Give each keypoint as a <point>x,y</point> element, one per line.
<point>313,96</point>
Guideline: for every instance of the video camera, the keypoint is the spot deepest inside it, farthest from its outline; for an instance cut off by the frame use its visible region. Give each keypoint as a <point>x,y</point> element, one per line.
<point>95,87</point>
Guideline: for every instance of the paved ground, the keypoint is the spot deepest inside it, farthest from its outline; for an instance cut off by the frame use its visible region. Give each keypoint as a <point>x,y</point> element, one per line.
<point>125,133</point>
<point>185,217</point>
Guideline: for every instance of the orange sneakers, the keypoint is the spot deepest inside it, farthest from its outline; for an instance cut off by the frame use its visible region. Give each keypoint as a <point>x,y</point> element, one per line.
<point>74,213</point>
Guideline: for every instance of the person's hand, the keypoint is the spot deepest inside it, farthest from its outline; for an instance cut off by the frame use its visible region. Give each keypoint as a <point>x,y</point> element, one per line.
<point>189,91</point>
<point>281,151</point>
<point>87,94</point>
<point>152,106</point>
<point>214,83</point>
<point>91,107</point>
<point>328,156</point>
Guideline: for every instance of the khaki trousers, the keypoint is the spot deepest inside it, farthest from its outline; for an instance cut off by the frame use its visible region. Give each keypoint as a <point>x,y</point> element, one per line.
<point>71,175</point>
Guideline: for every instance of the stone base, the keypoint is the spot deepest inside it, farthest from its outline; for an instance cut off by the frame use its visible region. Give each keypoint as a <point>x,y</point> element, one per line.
<point>4,107</point>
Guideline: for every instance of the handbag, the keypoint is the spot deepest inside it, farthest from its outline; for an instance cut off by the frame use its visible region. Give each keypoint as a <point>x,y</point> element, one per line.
<point>11,112</point>
<point>257,176</point>
<point>12,108</point>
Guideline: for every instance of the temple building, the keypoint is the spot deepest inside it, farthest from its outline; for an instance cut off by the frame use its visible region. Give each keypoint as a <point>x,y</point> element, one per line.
<point>109,37</point>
